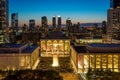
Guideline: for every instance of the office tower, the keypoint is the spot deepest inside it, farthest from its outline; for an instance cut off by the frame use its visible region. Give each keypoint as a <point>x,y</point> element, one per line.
<point>31,24</point>
<point>59,22</point>
<point>68,24</point>
<point>44,23</point>
<point>115,3</point>
<point>14,20</point>
<point>54,22</point>
<point>3,14</point>
<point>114,20</point>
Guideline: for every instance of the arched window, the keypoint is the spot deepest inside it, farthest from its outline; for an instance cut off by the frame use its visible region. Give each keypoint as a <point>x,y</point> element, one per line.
<point>49,45</point>
<point>61,46</point>
<point>43,45</point>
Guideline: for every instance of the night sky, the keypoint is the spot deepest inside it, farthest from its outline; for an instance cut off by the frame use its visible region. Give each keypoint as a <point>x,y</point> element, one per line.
<point>82,11</point>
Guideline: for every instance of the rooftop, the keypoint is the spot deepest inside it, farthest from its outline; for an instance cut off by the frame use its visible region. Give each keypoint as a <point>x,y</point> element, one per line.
<point>80,49</point>
<point>104,45</point>
<point>11,45</point>
<point>103,48</point>
<point>98,48</point>
<point>13,48</point>
<point>29,49</point>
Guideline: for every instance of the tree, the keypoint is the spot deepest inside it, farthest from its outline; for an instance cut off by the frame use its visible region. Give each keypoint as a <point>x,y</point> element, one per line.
<point>104,27</point>
<point>88,75</point>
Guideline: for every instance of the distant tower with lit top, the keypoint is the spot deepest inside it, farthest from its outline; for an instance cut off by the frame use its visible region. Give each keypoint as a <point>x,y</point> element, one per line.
<point>54,22</point>
<point>59,23</point>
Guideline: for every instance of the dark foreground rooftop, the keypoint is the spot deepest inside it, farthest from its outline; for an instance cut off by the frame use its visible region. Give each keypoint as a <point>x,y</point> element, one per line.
<point>80,49</point>
<point>98,48</point>
<point>11,45</point>
<point>104,45</point>
<point>103,48</point>
<point>29,49</point>
<point>13,48</point>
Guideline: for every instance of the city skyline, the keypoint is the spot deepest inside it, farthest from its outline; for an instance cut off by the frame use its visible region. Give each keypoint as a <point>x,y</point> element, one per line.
<point>77,10</point>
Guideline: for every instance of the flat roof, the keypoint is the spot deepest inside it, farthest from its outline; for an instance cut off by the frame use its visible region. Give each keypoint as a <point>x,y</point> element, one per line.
<point>29,49</point>
<point>104,45</point>
<point>103,48</point>
<point>11,45</point>
<point>13,48</point>
<point>80,49</point>
<point>56,35</point>
<point>98,48</point>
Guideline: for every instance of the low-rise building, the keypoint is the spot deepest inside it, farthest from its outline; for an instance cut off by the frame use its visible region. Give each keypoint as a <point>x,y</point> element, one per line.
<point>96,56</point>
<point>18,56</point>
<point>55,43</point>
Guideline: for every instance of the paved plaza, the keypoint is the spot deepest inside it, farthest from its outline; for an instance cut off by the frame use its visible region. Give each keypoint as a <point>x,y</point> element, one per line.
<point>65,65</point>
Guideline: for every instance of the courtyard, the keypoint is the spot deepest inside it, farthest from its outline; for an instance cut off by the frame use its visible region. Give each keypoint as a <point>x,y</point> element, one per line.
<point>65,65</point>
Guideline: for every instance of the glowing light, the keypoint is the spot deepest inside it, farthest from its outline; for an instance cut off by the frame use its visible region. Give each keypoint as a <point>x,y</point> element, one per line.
<point>59,16</point>
<point>55,61</point>
<point>35,65</point>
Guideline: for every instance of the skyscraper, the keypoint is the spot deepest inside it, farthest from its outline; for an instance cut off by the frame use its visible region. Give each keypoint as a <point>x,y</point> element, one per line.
<point>68,24</point>
<point>14,20</point>
<point>59,22</point>
<point>44,23</point>
<point>114,19</point>
<point>31,24</point>
<point>3,14</point>
<point>115,3</point>
<point>54,22</point>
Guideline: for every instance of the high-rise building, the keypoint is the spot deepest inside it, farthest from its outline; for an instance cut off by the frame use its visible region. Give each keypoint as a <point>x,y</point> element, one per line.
<point>68,24</point>
<point>59,22</point>
<point>14,20</point>
<point>115,3</point>
<point>44,23</point>
<point>3,14</point>
<point>31,24</point>
<point>114,20</point>
<point>54,22</point>
<point>44,26</point>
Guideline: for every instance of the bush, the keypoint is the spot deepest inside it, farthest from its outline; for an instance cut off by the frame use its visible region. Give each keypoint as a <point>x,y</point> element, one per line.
<point>34,75</point>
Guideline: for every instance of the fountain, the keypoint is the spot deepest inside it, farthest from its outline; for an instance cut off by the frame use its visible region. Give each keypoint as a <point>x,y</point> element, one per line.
<point>55,60</point>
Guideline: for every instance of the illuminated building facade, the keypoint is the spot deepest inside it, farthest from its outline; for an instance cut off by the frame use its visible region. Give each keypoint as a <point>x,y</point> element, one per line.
<point>55,43</point>
<point>18,56</point>
<point>96,56</point>
<point>113,19</point>
<point>3,14</point>
<point>14,20</point>
<point>114,22</point>
<point>31,24</point>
